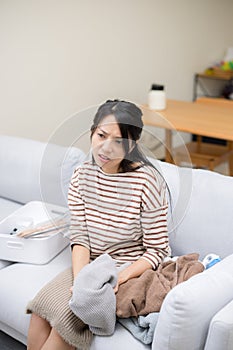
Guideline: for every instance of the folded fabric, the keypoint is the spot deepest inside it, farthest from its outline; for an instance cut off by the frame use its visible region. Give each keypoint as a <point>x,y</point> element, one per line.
<point>93,299</point>
<point>142,327</point>
<point>145,294</point>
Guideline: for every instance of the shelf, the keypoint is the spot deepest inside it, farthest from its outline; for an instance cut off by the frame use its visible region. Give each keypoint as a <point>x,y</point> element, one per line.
<point>215,86</point>
<point>202,155</point>
<point>214,77</point>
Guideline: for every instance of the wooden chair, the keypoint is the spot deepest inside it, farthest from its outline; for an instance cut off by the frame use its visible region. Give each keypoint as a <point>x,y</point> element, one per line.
<point>202,154</point>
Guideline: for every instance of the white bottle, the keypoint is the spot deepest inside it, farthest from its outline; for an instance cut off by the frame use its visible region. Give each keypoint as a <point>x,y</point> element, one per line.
<point>157,97</point>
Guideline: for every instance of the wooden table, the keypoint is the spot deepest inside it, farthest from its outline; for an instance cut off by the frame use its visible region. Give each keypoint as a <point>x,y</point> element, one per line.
<point>206,117</point>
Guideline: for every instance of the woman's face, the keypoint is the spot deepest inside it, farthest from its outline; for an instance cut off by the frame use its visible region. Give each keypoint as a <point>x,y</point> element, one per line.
<point>107,145</point>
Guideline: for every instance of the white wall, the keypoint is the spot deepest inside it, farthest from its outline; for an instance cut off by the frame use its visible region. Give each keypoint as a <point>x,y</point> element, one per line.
<point>60,56</point>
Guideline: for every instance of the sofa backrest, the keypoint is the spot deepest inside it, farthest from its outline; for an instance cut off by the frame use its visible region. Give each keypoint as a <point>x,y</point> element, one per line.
<point>32,170</point>
<point>201,218</point>
<point>202,210</point>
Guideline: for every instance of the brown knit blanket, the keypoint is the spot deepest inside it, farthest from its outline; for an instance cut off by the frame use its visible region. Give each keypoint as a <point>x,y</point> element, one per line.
<point>145,294</point>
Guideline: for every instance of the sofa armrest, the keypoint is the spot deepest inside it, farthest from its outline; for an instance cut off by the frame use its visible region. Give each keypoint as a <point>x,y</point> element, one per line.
<point>189,307</point>
<point>220,335</point>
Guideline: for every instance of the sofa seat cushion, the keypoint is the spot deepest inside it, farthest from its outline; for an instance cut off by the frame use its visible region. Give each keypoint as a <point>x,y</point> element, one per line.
<point>20,283</point>
<point>121,339</point>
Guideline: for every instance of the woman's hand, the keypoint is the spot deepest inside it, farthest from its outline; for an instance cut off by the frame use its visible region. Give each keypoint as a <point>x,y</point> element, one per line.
<point>122,278</point>
<point>115,289</point>
<point>132,271</point>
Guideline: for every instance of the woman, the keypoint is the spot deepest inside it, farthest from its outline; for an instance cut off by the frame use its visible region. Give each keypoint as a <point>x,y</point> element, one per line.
<point>118,206</point>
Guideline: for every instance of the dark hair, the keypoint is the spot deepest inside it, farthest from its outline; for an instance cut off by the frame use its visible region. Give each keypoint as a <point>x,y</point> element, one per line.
<point>129,119</point>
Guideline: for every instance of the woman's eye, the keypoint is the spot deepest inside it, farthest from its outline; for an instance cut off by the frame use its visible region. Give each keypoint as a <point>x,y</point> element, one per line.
<point>101,136</point>
<point>119,141</point>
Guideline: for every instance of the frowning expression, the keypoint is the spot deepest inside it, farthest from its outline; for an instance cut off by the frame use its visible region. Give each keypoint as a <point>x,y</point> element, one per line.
<point>107,145</point>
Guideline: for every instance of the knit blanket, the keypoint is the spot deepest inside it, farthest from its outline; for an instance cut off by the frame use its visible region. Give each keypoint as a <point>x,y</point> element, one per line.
<point>142,327</point>
<point>95,303</point>
<point>93,300</point>
<point>145,294</point>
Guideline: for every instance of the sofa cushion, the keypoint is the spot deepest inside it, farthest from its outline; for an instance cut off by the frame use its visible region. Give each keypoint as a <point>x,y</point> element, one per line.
<point>4,263</point>
<point>189,307</point>
<point>220,335</point>
<point>33,170</point>
<point>20,283</point>
<point>7,207</point>
<point>121,339</point>
<point>202,219</point>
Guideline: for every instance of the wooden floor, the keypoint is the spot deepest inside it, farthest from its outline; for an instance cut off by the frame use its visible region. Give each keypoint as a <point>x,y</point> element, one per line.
<point>8,343</point>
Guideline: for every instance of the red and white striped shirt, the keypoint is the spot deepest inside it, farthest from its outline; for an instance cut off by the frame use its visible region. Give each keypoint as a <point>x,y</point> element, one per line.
<point>122,214</point>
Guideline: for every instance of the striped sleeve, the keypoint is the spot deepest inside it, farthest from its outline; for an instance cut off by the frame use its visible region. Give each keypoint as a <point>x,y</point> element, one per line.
<point>78,228</point>
<point>154,220</point>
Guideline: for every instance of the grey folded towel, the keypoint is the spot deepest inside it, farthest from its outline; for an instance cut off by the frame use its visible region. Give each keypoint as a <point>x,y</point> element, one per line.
<point>93,299</point>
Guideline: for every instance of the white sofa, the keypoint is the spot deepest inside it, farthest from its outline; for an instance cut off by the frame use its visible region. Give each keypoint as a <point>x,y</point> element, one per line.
<point>195,315</point>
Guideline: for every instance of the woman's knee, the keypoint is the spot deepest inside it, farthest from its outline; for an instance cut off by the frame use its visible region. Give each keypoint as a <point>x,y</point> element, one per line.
<point>40,322</point>
<point>38,333</point>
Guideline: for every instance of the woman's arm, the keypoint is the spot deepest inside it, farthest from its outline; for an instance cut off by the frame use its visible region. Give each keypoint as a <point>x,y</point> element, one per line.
<point>78,230</point>
<point>80,258</point>
<point>154,220</point>
<point>134,270</point>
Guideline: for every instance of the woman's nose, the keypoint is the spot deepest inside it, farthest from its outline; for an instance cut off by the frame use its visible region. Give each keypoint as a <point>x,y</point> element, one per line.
<point>107,146</point>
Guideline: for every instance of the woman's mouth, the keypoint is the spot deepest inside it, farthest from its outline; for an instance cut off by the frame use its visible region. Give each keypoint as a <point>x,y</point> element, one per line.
<point>104,158</point>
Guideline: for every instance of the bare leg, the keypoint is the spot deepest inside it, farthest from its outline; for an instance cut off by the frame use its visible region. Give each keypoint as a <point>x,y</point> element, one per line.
<point>39,331</point>
<point>42,337</point>
<point>55,342</point>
